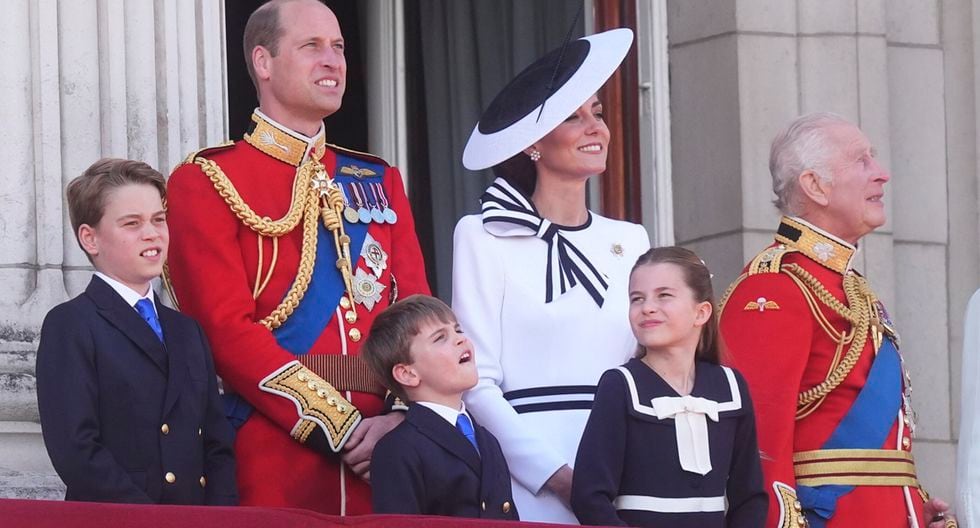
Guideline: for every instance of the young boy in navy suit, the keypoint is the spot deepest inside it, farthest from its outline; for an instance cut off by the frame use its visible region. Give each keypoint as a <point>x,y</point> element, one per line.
<point>438,461</point>
<point>126,388</point>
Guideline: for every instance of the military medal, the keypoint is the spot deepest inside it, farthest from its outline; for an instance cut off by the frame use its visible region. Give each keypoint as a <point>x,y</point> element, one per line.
<point>376,214</point>
<point>387,213</point>
<point>367,289</point>
<point>374,256</point>
<point>350,214</point>
<point>362,212</point>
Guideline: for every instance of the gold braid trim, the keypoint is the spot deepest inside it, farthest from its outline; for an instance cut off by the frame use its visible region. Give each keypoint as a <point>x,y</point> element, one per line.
<point>304,271</point>
<point>309,186</point>
<point>857,312</point>
<point>261,224</point>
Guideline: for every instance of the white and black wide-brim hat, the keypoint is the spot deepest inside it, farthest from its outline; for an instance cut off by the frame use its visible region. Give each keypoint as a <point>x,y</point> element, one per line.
<point>562,81</point>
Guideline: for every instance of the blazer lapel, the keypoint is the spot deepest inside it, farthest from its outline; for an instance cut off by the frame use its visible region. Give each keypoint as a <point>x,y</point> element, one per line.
<point>114,309</point>
<point>176,343</point>
<point>441,432</point>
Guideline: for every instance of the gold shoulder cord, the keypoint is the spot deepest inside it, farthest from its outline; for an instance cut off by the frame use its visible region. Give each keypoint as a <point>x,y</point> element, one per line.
<point>315,197</point>
<point>857,312</point>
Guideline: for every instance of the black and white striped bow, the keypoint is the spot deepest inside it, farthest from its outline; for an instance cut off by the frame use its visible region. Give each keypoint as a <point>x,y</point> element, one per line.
<point>507,212</point>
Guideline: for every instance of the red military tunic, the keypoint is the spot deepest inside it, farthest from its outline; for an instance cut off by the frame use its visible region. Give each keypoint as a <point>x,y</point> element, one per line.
<point>229,278</point>
<point>786,335</point>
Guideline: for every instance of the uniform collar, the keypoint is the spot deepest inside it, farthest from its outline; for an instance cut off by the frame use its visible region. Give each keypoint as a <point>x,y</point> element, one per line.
<point>821,246</point>
<point>278,141</point>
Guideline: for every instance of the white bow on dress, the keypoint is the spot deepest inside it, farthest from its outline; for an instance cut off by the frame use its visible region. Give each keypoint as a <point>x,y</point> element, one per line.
<point>689,414</point>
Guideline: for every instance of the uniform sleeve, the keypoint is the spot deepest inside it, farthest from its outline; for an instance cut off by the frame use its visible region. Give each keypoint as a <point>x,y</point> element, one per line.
<point>219,456</point>
<point>968,454</point>
<point>68,402</point>
<point>478,292</point>
<point>770,348</point>
<point>210,282</point>
<point>747,499</point>
<point>601,455</point>
<point>397,481</point>
<point>408,267</point>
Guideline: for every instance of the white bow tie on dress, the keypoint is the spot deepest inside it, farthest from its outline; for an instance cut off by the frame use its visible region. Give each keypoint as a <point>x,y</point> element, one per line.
<point>688,413</point>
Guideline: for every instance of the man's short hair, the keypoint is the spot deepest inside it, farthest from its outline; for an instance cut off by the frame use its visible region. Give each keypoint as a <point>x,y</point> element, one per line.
<point>802,146</point>
<point>87,193</point>
<point>262,29</point>
<point>389,341</point>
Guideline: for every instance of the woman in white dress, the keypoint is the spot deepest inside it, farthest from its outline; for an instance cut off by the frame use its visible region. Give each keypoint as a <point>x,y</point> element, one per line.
<point>539,281</point>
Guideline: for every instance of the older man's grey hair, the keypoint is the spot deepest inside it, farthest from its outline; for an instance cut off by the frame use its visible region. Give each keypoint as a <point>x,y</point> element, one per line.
<point>803,145</point>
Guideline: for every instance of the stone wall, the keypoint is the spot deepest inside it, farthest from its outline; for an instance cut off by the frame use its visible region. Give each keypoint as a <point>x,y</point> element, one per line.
<point>905,72</point>
<point>84,79</point>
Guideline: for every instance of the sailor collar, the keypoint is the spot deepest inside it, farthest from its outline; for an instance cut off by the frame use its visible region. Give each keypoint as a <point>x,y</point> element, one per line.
<point>817,244</point>
<point>278,141</point>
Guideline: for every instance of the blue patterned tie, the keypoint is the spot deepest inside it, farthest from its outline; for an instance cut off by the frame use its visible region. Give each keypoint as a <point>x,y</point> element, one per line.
<point>145,308</point>
<point>466,427</point>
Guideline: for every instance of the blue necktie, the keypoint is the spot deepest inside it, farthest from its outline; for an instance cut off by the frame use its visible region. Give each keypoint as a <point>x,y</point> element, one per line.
<point>464,426</point>
<point>145,308</point>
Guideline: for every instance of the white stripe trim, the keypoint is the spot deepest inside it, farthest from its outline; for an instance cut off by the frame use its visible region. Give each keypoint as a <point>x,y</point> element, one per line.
<point>552,398</point>
<point>670,505</point>
<point>733,405</point>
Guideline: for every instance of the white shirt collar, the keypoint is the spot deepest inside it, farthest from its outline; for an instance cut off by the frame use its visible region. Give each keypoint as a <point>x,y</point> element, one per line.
<point>311,142</point>
<point>128,294</point>
<point>448,413</point>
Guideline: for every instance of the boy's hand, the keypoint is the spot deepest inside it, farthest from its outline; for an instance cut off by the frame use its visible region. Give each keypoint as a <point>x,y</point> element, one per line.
<point>360,445</point>
<point>561,484</point>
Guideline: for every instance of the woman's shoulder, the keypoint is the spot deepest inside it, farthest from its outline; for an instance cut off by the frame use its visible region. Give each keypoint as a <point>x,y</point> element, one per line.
<point>470,222</point>
<point>620,227</point>
<point>470,227</point>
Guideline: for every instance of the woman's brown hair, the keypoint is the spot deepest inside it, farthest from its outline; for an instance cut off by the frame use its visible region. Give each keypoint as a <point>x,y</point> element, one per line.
<point>698,279</point>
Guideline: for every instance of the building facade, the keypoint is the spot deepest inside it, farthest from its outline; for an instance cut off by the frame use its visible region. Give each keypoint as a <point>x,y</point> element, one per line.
<point>147,79</point>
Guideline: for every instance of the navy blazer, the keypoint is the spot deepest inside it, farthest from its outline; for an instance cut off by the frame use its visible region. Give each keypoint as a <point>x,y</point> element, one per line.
<point>426,466</point>
<point>125,418</point>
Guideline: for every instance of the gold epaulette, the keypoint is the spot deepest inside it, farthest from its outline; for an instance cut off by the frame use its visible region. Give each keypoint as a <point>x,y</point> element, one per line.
<point>358,154</point>
<point>318,403</point>
<point>770,260</point>
<point>193,155</point>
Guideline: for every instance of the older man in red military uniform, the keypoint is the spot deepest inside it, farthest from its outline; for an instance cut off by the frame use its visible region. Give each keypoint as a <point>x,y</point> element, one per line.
<point>285,248</point>
<point>818,349</point>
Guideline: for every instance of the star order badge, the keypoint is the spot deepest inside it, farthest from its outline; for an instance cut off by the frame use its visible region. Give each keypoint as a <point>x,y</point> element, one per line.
<point>374,256</point>
<point>367,289</point>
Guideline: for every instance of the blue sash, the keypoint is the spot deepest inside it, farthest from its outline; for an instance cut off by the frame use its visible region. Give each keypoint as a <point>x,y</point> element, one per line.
<point>866,426</point>
<point>311,317</point>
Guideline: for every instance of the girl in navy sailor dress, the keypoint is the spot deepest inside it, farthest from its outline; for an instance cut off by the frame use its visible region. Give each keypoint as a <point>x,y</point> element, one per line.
<point>671,439</point>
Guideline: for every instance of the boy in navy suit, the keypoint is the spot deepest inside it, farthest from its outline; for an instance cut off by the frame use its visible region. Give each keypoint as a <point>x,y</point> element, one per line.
<point>438,461</point>
<point>126,388</point>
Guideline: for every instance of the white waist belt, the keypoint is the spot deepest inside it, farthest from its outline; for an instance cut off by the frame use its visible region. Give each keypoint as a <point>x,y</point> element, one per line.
<point>667,505</point>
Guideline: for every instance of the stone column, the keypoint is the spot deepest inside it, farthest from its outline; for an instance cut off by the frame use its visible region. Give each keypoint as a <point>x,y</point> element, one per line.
<point>142,79</point>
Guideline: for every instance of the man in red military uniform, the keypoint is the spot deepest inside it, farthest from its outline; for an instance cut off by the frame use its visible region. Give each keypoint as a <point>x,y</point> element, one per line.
<point>285,248</point>
<point>817,347</point>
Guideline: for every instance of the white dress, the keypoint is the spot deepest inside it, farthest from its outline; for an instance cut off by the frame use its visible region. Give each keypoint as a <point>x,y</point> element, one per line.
<point>968,456</point>
<point>539,363</point>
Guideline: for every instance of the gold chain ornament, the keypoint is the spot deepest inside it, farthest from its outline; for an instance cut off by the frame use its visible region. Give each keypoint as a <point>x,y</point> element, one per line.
<point>315,197</point>
<point>857,312</point>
